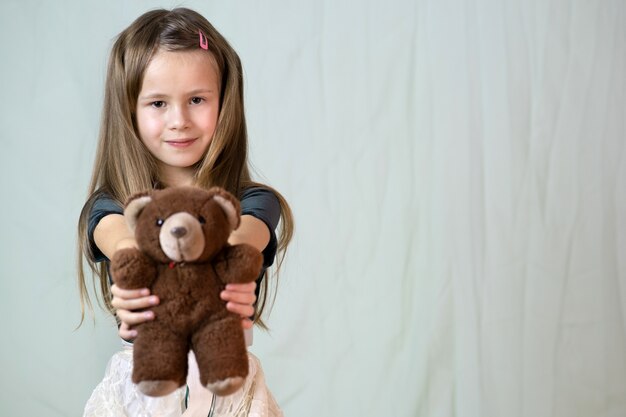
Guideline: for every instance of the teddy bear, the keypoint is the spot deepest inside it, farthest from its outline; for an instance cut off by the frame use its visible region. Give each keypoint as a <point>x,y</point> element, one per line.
<point>185,259</point>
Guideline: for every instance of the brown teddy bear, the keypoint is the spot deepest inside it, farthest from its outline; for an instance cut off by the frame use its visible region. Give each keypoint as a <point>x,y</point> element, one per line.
<point>185,259</point>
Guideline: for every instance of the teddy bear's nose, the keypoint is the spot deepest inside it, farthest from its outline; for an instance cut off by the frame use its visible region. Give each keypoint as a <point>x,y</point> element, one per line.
<point>178,231</point>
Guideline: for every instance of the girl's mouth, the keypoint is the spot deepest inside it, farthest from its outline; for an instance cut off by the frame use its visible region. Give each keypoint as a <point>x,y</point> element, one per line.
<point>180,143</point>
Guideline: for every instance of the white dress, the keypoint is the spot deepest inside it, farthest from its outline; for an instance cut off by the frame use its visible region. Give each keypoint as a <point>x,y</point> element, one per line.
<point>117,396</point>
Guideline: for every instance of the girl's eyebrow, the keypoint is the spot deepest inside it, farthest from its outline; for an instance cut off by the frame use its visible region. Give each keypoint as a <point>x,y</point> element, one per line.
<point>201,91</point>
<point>152,96</point>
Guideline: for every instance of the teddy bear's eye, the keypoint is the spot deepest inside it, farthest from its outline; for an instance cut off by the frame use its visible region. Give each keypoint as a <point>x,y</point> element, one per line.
<point>159,222</point>
<point>201,219</point>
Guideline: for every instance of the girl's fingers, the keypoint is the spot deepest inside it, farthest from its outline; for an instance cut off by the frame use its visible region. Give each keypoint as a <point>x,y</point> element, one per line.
<point>244,310</point>
<point>240,293</point>
<point>126,294</point>
<point>131,318</point>
<point>126,332</point>
<point>246,323</point>
<point>238,297</point>
<point>132,299</point>
<point>134,303</point>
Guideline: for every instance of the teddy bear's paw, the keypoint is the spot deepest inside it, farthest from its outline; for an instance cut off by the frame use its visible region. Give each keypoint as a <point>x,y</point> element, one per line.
<point>157,388</point>
<point>225,386</point>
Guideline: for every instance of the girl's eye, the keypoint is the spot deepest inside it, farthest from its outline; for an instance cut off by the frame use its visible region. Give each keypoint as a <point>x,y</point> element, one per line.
<point>196,100</point>
<point>158,104</point>
<point>201,219</point>
<point>159,222</point>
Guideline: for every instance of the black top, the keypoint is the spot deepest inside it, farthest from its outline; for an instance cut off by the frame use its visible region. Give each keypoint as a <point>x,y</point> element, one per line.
<point>255,201</point>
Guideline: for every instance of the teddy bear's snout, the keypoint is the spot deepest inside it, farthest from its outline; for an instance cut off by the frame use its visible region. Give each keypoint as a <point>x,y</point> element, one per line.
<point>181,237</point>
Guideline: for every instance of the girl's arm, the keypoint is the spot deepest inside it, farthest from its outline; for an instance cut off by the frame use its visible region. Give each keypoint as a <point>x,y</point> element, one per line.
<point>112,234</point>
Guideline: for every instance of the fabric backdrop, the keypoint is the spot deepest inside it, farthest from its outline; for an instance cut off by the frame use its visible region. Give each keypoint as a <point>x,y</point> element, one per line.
<point>458,177</point>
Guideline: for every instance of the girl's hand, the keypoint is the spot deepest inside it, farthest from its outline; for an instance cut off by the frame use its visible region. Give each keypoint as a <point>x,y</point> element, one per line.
<point>240,300</point>
<point>126,302</point>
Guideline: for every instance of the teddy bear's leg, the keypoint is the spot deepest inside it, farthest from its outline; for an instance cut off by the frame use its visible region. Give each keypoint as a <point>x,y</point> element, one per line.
<point>160,360</point>
<point>221,354</point>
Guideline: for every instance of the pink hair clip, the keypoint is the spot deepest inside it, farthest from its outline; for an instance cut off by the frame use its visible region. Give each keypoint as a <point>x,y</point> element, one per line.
<point>204,43</point>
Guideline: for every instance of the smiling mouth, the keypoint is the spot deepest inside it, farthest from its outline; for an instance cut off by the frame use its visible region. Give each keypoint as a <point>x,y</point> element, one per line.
<point>180,143</point>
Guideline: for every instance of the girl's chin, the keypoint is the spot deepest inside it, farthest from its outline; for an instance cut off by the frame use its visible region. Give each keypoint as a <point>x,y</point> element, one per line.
<point>177,170</point>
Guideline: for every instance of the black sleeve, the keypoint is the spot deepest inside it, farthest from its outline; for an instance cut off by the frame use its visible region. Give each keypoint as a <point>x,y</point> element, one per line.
<point>264,205</point>
<point>103,205</point>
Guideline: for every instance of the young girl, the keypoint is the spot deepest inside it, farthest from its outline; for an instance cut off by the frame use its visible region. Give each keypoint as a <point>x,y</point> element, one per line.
<point>173,115</point>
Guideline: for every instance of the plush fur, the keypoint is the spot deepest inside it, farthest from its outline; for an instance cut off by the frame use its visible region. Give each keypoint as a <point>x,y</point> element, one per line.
<point>185,259</point>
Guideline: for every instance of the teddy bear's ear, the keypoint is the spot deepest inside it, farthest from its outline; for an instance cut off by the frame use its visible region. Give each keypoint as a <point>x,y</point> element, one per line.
<point>229,204</point>
<point>133,208</point>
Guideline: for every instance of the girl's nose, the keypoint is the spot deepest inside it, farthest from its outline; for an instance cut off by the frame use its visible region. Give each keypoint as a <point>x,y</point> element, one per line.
<point>178,118</point>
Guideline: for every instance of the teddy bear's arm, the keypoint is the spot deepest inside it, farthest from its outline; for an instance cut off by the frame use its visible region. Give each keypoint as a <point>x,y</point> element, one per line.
<point>238,264</point>
<point>130,269</point>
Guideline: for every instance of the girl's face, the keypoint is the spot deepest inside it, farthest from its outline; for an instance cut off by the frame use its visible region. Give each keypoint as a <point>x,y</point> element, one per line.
<point>177,111</point>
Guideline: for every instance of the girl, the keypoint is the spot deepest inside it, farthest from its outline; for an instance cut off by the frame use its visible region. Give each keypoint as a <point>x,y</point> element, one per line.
<point>174,115</point>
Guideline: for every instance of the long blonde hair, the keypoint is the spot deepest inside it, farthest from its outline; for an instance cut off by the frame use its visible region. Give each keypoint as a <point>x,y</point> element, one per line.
<point>124,166</point>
